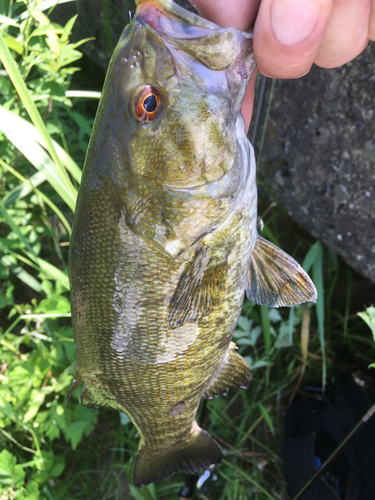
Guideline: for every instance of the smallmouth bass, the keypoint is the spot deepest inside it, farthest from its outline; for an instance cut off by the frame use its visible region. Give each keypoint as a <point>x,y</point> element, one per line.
<point>165,237</point>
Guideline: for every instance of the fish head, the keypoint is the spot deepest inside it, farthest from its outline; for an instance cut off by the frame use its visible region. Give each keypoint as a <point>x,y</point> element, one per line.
<point>171,112</point>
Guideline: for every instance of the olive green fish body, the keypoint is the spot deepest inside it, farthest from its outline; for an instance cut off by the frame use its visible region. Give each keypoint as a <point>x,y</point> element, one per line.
<point>129,356</point>
<point>165,236</point>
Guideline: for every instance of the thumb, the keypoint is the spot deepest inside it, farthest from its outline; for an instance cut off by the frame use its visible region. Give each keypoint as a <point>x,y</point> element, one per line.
<point>288,35</point>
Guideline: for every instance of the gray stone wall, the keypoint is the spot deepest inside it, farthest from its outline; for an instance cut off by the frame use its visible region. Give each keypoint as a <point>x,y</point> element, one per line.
<point>319,156</point>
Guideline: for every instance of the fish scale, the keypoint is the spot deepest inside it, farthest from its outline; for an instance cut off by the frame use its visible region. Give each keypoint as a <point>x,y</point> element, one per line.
<point>161,255</point>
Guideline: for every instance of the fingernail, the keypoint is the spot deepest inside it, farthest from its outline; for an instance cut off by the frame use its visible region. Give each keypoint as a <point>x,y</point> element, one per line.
<point>293,20</point>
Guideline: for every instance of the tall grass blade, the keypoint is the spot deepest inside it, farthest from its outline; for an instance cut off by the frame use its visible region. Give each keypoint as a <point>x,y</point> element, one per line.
<point>48,269</point>
<point>20,86</point>
<point>26,277</point>
<point>52,272</point>
<point>23,189</point>
<point>38,157</point>
<point>305,336</point>
<point>317,272</point>
<point>7,21</point>
<point>266,327</point>
<point>249,479</point>
<point>15,122</point>
<point>47,4</point>
<point>8,219</point>
<point>291,325</point>
<point>349,288</point>
<point>89,94</point>
<point>267,418</point>
<point>314,259</point>
<point>107,26</point>
<point>311,256</point>
<point>24,259</point>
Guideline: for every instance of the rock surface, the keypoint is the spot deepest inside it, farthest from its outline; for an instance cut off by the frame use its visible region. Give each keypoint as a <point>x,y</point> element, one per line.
<point>319,156</point>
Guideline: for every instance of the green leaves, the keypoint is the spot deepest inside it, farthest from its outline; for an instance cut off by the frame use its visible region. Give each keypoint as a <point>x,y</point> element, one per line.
<point>83,422</point>
<point>40,178</point>
<point>46,270</point>
<point>33,390</point>
<point>46,47</point>
<point>14,130</point>
<point>11,474</point>
<point>368,317</point>
<point>7,21</point>
<point>53,164</point>
<point>21,88</point>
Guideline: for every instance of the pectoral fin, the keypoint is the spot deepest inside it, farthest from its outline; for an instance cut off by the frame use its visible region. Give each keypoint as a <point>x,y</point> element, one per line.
<point>233,373</point>
<point>275,279</point>
<point>196,292</point>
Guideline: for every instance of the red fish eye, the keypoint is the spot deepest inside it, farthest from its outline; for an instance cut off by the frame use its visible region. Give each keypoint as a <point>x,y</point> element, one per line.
<point>147,103</point>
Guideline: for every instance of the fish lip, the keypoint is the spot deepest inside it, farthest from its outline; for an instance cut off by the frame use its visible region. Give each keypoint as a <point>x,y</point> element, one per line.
<point>169,7</point>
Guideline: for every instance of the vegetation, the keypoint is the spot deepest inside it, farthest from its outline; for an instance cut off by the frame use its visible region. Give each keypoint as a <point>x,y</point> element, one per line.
<point>49,451</point>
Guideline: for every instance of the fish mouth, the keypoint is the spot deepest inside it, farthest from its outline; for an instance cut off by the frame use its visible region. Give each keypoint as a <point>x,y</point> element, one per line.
<point>155,13</point>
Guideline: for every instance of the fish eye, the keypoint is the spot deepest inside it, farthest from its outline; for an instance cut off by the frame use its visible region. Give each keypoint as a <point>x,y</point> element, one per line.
<point>147,103</point>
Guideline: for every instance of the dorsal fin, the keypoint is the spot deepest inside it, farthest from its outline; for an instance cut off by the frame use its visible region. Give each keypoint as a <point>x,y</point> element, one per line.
<point>275,279</point>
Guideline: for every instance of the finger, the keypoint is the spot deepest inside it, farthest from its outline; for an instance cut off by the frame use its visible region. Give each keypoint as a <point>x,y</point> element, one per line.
<point>238,14</point>
<point>288,35</point>
<point>347,33</point>
<point>371,26</point>
<point>248,103</point>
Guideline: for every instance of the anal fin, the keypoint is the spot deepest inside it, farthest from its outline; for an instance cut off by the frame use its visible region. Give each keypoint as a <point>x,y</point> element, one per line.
<point>92,398</point>
<point>233,373</point>
<point>275,279</point>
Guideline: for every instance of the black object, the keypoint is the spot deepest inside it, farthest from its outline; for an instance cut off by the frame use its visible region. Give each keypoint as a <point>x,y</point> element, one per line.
<point>314,429</point>
<point>189,487</point>
<point>333,455</point>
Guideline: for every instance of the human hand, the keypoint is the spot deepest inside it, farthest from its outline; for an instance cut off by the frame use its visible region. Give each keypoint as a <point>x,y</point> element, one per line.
<point>291,35</point>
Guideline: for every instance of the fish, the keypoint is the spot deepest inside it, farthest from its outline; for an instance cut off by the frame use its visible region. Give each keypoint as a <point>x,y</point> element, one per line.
<point>165,236</point>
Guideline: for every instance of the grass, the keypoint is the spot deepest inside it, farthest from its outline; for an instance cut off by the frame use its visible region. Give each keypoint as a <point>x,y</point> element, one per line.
<point>48,451</point>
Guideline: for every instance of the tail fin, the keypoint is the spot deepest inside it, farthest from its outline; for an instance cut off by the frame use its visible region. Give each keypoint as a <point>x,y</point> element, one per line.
<point>201,452</point>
